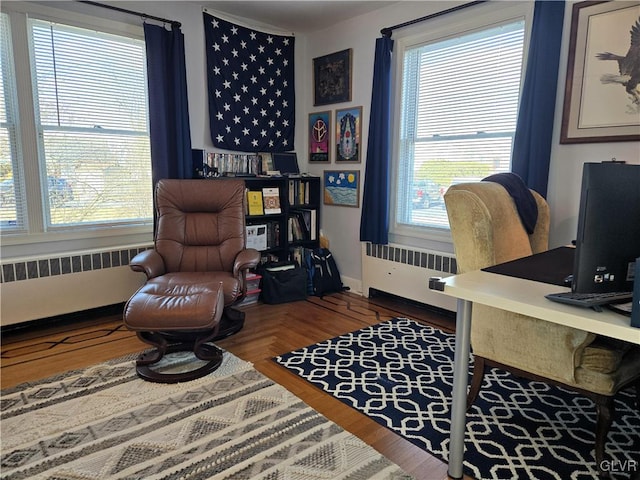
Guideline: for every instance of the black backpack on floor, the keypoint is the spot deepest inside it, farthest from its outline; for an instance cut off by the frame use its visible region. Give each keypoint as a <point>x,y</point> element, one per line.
<point>323,273</point>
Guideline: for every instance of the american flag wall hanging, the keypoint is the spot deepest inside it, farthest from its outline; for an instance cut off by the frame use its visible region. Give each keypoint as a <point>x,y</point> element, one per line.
<point>251,87</point>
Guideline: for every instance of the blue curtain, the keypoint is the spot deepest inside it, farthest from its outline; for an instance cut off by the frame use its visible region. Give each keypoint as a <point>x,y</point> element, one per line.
<point>374,222</point>
<point>168,105</point>
<point>532,143</point>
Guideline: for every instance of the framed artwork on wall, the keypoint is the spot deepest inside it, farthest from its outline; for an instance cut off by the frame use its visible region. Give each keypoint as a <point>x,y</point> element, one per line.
<point>319,136</point>
<point>602,97</point>
<point>342,187</point>
<point>332,78</point>
<point>348,135</point>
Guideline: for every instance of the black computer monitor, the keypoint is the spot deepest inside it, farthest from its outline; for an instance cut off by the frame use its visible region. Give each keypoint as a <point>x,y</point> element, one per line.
<point>286,163</point>
<point>608,239</point>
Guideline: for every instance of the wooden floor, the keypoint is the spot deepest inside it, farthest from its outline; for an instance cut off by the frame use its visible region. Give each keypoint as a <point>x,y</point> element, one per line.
<point>269,330</point>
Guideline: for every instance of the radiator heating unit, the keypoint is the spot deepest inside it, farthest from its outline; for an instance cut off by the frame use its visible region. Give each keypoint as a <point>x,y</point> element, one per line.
<point>405,272</point>
<point>40,287</point>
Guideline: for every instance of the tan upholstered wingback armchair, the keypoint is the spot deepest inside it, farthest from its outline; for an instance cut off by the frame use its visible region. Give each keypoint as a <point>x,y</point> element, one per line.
<point>487,230</point>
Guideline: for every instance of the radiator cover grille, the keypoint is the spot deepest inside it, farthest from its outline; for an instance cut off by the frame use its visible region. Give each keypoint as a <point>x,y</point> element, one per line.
<point>36,288</point>
<point>67,264</point>
<point>405,272</point>
<point>418,258</point>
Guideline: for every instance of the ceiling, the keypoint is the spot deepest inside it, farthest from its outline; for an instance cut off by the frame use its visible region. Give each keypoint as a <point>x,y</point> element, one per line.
<point>297,16</point>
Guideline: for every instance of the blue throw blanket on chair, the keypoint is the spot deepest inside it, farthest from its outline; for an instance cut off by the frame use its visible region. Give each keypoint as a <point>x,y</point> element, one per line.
<point>522,196</point>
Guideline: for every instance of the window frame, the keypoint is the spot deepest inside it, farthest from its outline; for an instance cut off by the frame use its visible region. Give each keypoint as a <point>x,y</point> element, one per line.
<point>36,238</point>
<point>13,128</point>
<point>449,26</point>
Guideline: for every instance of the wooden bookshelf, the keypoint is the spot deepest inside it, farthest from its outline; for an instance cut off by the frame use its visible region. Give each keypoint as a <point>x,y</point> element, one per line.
<point>298,223</point>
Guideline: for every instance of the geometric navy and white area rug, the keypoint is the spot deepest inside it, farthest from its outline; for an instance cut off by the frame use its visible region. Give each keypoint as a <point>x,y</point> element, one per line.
<point>400,373</point>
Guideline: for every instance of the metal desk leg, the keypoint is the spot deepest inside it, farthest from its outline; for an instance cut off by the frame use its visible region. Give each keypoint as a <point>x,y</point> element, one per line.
<point>460,378</point>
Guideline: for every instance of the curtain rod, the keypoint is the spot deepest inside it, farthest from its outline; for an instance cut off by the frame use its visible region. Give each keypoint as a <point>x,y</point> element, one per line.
<point>131,12</point>
<point>389,30</point>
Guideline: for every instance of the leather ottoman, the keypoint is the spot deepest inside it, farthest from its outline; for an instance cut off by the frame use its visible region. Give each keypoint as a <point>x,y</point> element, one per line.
<point>176,312</point>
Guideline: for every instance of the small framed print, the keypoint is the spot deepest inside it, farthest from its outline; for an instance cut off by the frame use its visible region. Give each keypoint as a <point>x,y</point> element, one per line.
<point>319,136</point>
<point>348,135</point>
<point>342,187</point>
<point>332,78</point>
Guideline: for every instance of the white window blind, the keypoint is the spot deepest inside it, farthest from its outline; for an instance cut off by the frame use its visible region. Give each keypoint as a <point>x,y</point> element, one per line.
<point>90,91</point>
<point>11,197</point>
<point>458,117</point>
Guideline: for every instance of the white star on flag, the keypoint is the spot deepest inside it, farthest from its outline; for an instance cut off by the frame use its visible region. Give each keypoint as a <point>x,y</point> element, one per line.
<point>250,82</point>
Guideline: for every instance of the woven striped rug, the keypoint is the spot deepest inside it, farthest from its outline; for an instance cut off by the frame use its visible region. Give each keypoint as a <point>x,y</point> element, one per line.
<point>105,423</point>
<point>400,373</point>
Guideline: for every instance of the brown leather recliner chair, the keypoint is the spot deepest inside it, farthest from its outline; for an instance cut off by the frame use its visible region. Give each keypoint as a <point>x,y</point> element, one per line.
<point>195,274</point>
<point>487,230</point>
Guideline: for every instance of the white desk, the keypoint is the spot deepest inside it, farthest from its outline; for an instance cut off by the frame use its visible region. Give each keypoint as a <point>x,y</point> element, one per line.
<point>521,296</point>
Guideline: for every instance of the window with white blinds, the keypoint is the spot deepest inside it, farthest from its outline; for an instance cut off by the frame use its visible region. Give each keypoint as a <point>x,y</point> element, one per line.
<point>458,117</point>
<point>90,95</point>
<point>11,199</point>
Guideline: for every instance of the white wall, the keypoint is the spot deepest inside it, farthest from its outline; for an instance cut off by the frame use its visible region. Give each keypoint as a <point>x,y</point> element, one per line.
<point>341,224</point>
<point>565,173</point>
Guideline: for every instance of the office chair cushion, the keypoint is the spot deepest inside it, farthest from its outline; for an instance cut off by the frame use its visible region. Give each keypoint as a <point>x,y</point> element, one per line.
<point>610,383</point>
<point>604,355</point>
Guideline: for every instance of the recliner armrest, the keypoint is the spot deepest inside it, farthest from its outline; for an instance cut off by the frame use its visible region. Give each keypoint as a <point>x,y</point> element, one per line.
<point>149,262</point>
<point>248,258</point>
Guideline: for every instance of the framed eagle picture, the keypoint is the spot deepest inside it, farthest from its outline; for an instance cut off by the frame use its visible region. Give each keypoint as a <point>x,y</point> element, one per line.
<point>602,91</point>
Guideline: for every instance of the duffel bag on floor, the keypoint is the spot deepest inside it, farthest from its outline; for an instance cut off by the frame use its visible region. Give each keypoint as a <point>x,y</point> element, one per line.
<point>284,285</point>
